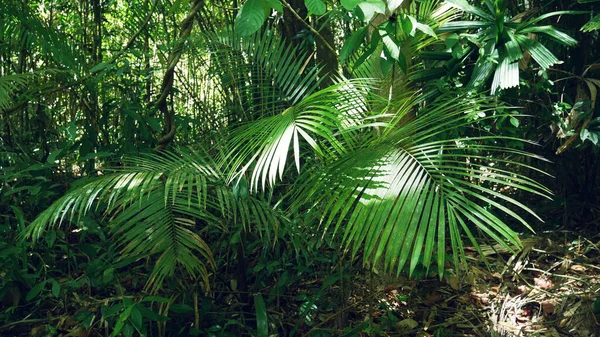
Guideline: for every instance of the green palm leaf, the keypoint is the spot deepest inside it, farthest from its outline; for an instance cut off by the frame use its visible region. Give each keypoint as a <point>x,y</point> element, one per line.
<point>264,145</point>
<point>400,199</point>
<point>157,206</point>
<point>261,73</point>
<point>510,39</point>
<point>592,25</point>
<point>9,84</point>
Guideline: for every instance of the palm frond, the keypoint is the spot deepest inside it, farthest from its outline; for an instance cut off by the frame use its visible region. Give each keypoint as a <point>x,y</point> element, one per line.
<point>403,198</point>
<point>157,206</point>
<point>264,145</point>
<point>261,72</point>
<point>592,25</point>
<point>25,27</point>
<point>9,84</point>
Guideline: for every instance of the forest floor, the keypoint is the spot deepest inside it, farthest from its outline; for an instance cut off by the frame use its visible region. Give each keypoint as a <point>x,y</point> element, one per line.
<point>550,288</point>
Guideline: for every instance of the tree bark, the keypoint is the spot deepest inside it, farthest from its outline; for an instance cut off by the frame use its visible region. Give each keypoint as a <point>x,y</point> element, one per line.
<point>326,57</point>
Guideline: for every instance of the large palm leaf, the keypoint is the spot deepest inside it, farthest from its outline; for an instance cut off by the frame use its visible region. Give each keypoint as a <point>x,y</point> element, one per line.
<point>157,206</point>
<point>400,197</point>
<point>259,74</point>
<point>318,121</point>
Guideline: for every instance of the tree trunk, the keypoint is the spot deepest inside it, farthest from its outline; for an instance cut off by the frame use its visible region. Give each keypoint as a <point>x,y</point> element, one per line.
<point>326,57</point>
<point>167,83</point>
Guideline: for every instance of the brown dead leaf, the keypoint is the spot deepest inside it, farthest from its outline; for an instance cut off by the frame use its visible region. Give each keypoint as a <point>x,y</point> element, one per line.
<point>38,331</point>
<point>522,289</point>
<point>578,268</point>
<point>547,308</point>
<point>493,291</point>
<point>480,300</point>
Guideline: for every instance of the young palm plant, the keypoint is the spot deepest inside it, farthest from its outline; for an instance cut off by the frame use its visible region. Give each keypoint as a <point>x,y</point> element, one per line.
<point>504,41</point>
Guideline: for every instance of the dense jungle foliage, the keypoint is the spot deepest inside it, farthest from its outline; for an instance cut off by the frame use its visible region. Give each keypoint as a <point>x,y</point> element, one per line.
<point>275,167</point>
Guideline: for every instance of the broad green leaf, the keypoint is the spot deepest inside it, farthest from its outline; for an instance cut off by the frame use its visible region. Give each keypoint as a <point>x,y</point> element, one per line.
<point>451,40</point>
<point>136,318</point>
<point>108,275</point>
<point>275,4</point>
<point>55,288</point>
<point>50,237</point>
<point>425,29</point>
<point>586,134</point>
<point>128,330</point>
<point>514,121</point>
<point>118,328</point>
<point>352,44</point>
<point>250,17</point>
<point>53,155</point>
<point>386,62</point>
<point>371,7</point>
<point>408,25</point>
<point>371,48</point>
<point>316,7</point>
<point>393,4</point>
<point>262,325</point>
<point>35,291</point>
<point>350,4</point>
<point>390,45</point>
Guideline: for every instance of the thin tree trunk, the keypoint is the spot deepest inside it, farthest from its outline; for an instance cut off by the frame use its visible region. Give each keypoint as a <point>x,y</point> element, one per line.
<point>326,57</point>
<point>167,83</point>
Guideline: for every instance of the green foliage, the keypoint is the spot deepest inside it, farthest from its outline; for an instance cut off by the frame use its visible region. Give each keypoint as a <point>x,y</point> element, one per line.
<point>400,191</point>
<point>502,43</point>
<point>253,14</point>
<point>592,25</point>
<point>156,204</point>
<point>300,175</point>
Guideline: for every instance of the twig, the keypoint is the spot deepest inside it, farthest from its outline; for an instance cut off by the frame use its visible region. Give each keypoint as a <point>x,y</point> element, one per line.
<point>312,30</point>
<point>26,321</point>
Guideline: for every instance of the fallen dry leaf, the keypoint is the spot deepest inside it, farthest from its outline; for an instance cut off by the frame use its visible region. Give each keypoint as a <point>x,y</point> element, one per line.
<point>542,283</point>
<point>578,267</point>
<point>547,308</point>
<point>432,298</point>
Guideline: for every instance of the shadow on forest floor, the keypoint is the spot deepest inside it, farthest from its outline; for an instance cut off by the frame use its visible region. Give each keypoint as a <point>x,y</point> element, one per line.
<point>550,288</point>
